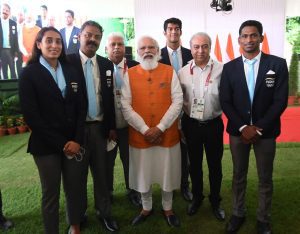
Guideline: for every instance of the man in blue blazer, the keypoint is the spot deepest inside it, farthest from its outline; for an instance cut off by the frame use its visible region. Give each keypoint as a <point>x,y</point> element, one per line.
<point>100,120</point>
<point>253,95</point>
<point>172,32</point>
<point>70,34</point>
<point>8,42</point>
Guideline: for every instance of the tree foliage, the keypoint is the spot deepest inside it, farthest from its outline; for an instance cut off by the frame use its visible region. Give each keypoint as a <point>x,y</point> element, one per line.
<point>293,33</point>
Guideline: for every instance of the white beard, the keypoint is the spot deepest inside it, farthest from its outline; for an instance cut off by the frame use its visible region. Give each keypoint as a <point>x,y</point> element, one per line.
<point>148,64</point>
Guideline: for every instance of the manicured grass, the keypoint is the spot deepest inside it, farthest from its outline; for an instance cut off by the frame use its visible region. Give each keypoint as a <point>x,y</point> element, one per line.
<point>20,187</point>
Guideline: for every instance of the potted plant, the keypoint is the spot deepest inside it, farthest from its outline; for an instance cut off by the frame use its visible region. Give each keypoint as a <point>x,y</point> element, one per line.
<point>21,125</point>
<point>10,124</point>
<point>2,126</point>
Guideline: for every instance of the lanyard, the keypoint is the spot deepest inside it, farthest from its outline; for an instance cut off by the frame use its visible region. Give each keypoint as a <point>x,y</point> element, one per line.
<point>125,67</point>
<point>206,81</point>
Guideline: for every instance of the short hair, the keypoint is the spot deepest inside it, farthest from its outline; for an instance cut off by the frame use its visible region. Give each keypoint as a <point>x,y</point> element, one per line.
<point>36,52</point>
<point>45,7</point>
<point>115,34</point>
<point>5,4</point>
<point>70,12</point>
<point>91,23</point>
<point>253,23</point>
<point>172,21</point>
<point>201,34</point>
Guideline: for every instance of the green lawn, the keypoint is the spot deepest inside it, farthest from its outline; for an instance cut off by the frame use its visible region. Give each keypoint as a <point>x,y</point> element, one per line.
<point>20,187</point>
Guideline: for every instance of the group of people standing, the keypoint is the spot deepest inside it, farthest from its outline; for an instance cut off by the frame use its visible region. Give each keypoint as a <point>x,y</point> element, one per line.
<point>163,113</point>
<point>18,36</point>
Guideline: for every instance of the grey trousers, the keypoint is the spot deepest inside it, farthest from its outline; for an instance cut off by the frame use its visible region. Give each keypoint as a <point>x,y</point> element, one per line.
<point>50,168</point>
<point>264,150</point>
<point>96,159</point>
<point>123,145</point>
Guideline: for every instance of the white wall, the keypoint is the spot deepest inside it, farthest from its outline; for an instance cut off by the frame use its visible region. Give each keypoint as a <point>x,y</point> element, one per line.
<point>198,16</point>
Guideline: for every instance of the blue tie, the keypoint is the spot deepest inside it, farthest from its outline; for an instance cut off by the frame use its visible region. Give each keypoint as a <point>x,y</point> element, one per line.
<point>92,107</point>
<point>119,80</point>
<point>175,62</point>
<point>251,78</point>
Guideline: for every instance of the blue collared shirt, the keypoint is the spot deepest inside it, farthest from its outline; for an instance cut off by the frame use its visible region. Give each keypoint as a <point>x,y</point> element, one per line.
<point>57,75</point>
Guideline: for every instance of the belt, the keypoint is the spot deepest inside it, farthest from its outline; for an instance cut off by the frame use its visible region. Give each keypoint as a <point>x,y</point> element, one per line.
<point>93,122</point>
<point>206,122</point>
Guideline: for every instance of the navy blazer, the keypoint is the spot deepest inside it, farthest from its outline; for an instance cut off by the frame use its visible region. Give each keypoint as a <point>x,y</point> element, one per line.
<point>73,42</point>
<point>270,95</point>
<point>13,36</point>
<point>53,119</point>
<point>106,68</point>
<point>131,63</point>
<point>186,56</point>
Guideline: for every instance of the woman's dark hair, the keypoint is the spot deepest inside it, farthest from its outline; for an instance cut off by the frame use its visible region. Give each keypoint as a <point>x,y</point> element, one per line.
<point>36,52</point>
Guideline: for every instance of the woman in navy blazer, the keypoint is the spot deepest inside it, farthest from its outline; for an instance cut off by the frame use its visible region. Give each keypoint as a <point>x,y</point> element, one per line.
<point>54,109</point>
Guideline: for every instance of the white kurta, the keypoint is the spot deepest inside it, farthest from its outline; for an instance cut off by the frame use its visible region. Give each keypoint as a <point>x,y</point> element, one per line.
<point>156,164</point>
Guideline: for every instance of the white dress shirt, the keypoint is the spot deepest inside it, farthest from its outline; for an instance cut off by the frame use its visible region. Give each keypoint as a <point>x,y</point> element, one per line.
<point>193,79</point>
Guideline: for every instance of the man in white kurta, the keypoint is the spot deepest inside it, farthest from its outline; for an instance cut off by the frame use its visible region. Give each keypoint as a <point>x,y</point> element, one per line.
<point>151,103</point>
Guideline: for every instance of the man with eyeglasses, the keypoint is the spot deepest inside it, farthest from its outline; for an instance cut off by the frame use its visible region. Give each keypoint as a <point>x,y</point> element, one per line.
<point>151,103</point>
<point>201,122</point>
<point>253,95</point>
<point>178,56</point>
<point>97,76</point>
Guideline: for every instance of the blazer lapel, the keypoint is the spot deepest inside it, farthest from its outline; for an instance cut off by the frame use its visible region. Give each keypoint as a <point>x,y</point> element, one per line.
<point>261,71</point>
<point>165,55</point>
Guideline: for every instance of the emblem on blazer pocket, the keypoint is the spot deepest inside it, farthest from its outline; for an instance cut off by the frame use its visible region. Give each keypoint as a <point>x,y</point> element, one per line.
<point>75,39</point>
<point>270,82</point>
<point>74,86</point>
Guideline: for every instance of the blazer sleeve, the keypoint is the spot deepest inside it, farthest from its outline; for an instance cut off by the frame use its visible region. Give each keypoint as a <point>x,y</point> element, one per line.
<point>29,101</point>
<point>280,97</point>
<point>226,98</point>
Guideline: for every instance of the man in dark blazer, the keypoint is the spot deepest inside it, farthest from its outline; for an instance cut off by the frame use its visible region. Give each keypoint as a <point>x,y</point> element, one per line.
<point>101,127</point>
<point>253,97</point>
<point>172,32</point>
<point>115,50</point>
<point>8,42</point>
<point>70,33</point>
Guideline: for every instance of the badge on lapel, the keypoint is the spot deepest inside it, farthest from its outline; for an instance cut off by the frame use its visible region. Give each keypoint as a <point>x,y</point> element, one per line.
<point>13,29</point>
<point>75,39</point>
<point>74,86</point>
<point>270,79</point>
<point>108,78</point>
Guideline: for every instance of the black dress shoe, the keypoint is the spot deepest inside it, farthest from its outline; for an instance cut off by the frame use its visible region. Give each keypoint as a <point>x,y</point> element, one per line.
<point>219,213</point>
<point>5,224</point>
<point>234,224</point>
<point>186,193</point>
<point>172,220</point>
<point>134,198</point>
<point>194,206</point>
<point>110,224</point>
<point>263,228</point>
<point>141,218</point>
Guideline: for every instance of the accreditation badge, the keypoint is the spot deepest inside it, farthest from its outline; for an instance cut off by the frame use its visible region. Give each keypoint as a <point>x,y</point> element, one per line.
<point>197,108</point>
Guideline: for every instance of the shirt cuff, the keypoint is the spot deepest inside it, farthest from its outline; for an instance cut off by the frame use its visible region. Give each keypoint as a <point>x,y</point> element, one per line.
<point>161,127</point>
<point>144,129</point>
<point>241,128</point>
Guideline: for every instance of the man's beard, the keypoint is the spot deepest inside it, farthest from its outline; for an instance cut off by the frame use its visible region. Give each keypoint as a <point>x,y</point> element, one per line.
<point>148,63</point>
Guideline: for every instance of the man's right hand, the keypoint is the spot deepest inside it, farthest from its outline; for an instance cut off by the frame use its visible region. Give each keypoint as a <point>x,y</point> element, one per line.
<point>249,134</point>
